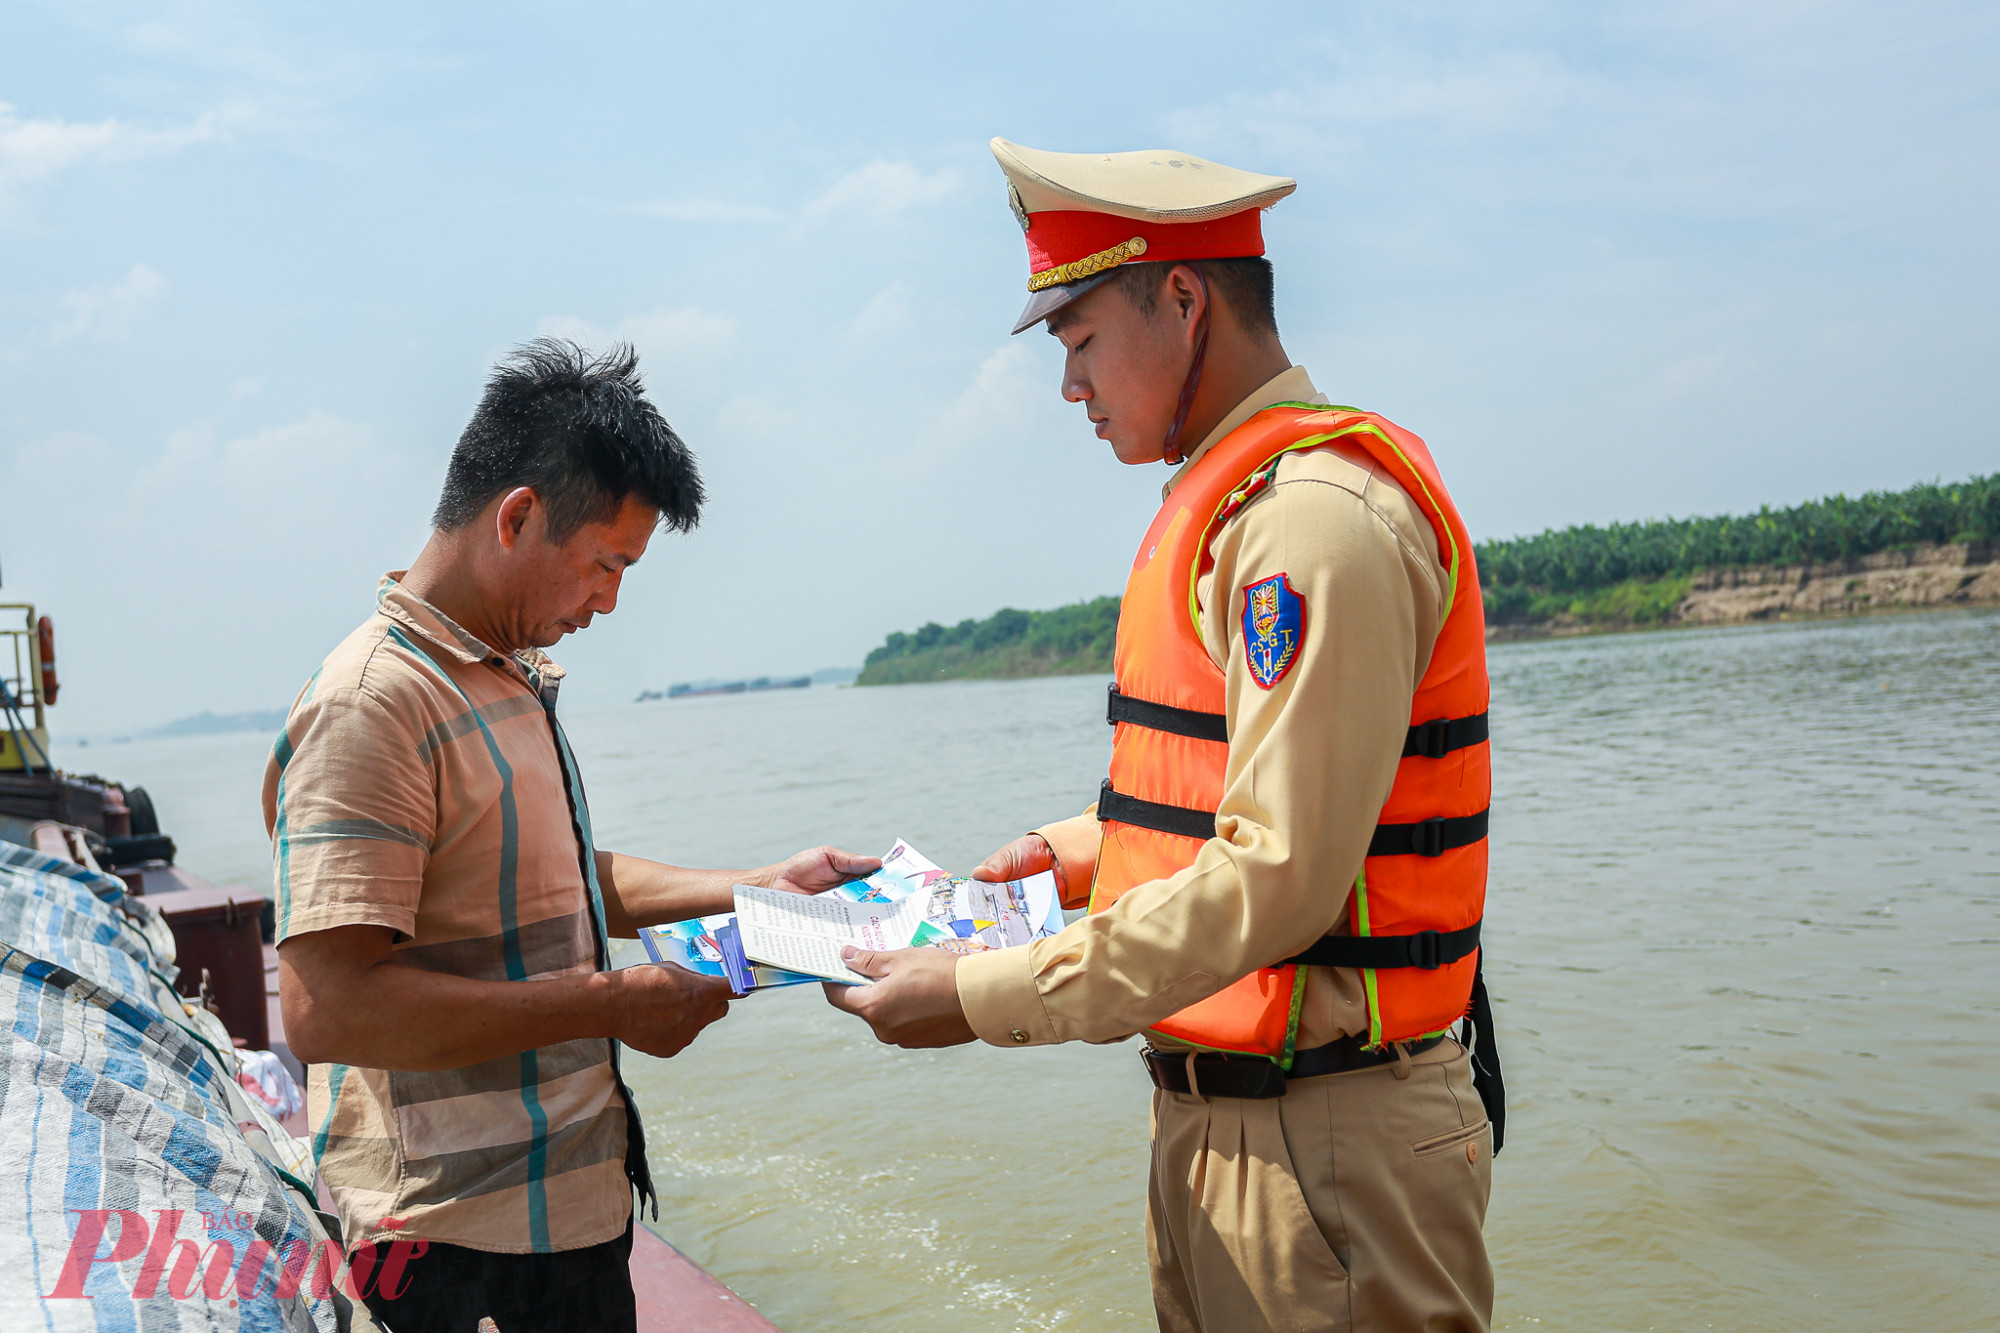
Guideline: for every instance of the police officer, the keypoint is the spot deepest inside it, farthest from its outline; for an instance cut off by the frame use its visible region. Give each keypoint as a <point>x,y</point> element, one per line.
<point>1286,867</point>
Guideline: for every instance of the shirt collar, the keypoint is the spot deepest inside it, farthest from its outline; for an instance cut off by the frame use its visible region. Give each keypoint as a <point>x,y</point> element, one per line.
<point>1291,385</point>
<point>404,607</point>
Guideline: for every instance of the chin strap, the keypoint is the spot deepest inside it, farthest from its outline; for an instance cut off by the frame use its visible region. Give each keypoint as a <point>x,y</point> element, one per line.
<point>1172,454</point>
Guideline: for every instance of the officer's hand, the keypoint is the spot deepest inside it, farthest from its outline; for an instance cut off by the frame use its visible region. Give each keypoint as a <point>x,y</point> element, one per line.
<point>1027,855</point>
<point>913,1001</point>
<point>660,1008</point>
<point>817,870</point>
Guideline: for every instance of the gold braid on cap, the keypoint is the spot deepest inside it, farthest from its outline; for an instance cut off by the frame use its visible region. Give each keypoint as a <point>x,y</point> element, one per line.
<point>1088,265</point>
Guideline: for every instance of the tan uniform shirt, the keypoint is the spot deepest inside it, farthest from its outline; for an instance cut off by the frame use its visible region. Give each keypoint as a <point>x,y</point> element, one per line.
<point>1310,765</point>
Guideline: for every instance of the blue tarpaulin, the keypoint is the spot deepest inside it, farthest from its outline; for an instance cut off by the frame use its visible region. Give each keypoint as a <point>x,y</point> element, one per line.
<point>120,1114</point>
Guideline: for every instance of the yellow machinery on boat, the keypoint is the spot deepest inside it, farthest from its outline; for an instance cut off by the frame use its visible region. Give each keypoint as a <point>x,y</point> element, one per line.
<point>27,688</point>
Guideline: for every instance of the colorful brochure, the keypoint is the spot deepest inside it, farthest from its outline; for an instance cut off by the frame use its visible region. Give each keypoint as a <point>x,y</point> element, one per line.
<point>782,939</point>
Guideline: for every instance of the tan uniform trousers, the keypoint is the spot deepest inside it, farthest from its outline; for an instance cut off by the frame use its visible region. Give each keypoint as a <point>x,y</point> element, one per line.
<point>1353,1202</point>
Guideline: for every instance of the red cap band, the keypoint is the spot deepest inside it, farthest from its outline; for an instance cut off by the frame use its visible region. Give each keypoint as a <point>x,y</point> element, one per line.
<point>1065,236</point>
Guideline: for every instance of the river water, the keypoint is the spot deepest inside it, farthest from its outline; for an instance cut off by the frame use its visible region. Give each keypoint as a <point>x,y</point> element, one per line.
<point>1744,936</point>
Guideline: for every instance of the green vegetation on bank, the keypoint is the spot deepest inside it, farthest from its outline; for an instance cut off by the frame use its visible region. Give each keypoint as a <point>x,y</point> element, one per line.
<point>1633,602</point>
<point>1636,573</point>
<point>1068,641</point>
<point>1626,574</point>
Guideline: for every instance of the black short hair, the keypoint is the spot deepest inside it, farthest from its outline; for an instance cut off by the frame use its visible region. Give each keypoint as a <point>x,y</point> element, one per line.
<point>1247,286</point>
<point>576,429</point>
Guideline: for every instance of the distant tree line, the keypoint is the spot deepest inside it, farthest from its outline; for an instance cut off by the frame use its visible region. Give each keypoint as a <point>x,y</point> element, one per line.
<point>1523,574</point>
<point>1623,573</point>
<point>1069,640</point>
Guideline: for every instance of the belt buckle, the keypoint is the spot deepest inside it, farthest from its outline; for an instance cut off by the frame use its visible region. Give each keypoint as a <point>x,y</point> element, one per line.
<point>1262,1079</point>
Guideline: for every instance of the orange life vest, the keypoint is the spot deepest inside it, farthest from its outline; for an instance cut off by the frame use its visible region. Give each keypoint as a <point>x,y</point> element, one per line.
<point>1417,902</point>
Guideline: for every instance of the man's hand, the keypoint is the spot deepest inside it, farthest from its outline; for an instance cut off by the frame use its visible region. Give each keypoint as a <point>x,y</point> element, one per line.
<point>665,1007</point>
<point>1027,855</point>
<point>912,1001</point>
<point>817,870</point>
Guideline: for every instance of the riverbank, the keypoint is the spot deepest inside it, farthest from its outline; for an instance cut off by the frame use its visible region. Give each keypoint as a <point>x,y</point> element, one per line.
<point>1924,577</point>
<point>1073,640</point>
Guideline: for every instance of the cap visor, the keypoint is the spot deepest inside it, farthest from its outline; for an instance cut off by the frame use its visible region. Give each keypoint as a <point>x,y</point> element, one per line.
<point>1051,299</point>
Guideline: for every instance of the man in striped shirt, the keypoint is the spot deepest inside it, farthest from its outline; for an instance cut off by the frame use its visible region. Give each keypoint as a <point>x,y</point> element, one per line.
<point>443,914</point>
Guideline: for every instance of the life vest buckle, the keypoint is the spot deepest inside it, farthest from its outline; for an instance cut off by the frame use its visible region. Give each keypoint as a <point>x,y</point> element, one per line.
<point>1427,839</point>
<point>1424,951</point>
<point>1433,738</point>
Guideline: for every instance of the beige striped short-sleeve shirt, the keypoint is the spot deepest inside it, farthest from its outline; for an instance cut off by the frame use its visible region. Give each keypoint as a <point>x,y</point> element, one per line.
<point>422,783</point>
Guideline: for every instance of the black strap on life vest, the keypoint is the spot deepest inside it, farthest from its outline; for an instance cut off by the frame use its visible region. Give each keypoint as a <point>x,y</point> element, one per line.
<point>1427,949</point>
<point>1114,805</point>
<point>1430,740</point>
<point>1428,837</point>
<point>1188,722</point>
<point>1440,736</point>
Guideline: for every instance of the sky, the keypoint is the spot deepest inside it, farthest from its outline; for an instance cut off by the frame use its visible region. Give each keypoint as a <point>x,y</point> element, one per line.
<point>1612,260</point>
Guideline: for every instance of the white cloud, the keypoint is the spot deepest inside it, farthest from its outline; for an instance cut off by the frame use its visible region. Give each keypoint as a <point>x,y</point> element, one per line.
<point>318,468</point>
<point>1689,379</point>
<point>886,315</point>
<point>32,149</point>
<point>263,546</point>
<point>1011,400</point>
<point>1340,110</point>
<point>111,311</point>
<point>881,190</point>
<point>708,210</point>
<point>874,192</point>
<point>682,350</point>
<point>1006,382</point>
<point>683,332</point>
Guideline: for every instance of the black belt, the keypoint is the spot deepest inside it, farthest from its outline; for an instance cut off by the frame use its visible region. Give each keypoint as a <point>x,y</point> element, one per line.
<point>1256,1078</point>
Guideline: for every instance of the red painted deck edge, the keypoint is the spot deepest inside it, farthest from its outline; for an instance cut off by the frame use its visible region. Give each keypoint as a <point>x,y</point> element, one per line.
<point>677,1295</point>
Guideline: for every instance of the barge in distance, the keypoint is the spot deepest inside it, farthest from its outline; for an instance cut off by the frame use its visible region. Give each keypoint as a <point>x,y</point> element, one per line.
<point>704,688</point>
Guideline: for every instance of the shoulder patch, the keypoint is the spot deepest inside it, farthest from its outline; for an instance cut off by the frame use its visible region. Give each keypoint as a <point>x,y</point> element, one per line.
<point>1274,628</point>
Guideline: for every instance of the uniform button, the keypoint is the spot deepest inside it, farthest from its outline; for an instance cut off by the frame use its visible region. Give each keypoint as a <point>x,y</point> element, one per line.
<point>1472,1153</point>
<point>1020,1037</point>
